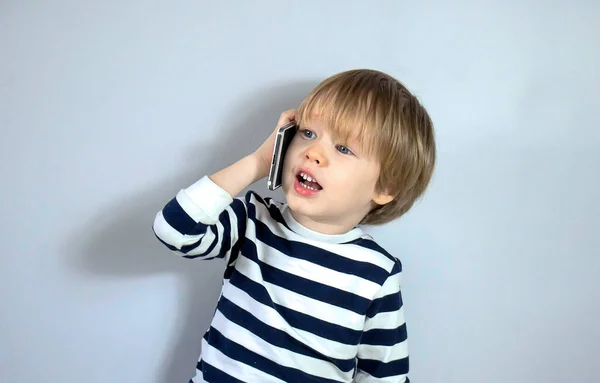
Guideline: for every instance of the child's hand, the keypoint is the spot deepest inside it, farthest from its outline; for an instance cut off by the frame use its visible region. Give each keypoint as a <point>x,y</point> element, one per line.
<point>234,178</point>
<point>264,153</point>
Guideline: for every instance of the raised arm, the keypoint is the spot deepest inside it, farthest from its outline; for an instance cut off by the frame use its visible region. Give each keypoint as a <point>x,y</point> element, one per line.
<point>205,220</point>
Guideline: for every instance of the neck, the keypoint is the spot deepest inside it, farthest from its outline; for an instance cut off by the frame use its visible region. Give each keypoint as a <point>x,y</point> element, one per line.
<point>323,226</point>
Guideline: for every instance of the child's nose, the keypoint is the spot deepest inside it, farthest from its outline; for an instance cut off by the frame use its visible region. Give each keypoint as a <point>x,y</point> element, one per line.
<point>314,154</point>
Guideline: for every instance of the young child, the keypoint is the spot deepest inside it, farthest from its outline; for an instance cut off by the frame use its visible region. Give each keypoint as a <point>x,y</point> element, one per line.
<point>307,295</point>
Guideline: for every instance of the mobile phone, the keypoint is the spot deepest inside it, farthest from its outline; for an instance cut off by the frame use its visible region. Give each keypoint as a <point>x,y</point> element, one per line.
<point>284,137</point>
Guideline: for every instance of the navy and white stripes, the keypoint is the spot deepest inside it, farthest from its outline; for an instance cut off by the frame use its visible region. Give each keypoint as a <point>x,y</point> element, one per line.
<point>296,305</point>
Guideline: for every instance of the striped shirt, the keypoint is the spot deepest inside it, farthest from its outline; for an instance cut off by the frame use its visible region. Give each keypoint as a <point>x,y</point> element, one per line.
<point>296,305</point>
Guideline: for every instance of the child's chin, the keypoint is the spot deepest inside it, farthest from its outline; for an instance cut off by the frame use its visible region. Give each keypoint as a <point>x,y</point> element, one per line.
<point>301,205</point>
<point>294,201</point>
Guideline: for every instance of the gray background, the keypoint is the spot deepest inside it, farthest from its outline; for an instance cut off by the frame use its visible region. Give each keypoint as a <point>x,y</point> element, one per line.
<point>108,108</point>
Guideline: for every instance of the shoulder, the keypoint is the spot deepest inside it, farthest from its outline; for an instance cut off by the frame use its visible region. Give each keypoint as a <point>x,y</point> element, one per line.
<point>378,255</point>
<point>255,198</point>
<point>262,208</point>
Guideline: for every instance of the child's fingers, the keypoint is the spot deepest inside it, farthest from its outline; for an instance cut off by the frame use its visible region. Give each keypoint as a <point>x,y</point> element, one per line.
<point>286,117</point>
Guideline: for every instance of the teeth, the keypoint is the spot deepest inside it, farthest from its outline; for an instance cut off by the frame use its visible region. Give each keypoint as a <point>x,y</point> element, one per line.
<point>307,177</point>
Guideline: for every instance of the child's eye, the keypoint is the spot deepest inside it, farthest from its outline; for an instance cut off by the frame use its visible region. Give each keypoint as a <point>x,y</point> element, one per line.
<point>344,150</point>
<point>307,133</point>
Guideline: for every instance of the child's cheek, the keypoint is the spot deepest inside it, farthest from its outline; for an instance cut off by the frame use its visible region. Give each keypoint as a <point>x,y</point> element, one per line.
<point>296,146</point>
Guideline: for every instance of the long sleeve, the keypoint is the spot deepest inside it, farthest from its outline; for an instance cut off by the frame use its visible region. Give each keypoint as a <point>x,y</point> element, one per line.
<point>202,221</point>
<point>383,351</point>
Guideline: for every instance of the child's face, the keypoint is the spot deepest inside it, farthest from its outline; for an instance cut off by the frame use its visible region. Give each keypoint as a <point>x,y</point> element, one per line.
<point>344,191</point>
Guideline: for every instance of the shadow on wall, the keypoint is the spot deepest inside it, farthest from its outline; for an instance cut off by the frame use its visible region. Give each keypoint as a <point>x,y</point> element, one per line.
<point>122,244</point>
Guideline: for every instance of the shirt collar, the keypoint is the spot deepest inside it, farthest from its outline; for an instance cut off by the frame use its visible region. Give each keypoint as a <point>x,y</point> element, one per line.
<point>303,231</point>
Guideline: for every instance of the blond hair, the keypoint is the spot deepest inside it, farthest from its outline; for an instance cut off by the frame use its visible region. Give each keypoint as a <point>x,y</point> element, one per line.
<point>391,125</point>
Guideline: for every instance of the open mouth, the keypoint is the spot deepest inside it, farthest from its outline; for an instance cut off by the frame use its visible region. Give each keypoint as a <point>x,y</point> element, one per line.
<point>308,182</point>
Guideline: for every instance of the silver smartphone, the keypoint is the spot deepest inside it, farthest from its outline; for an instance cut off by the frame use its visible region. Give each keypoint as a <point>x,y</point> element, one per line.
<point>284,137</point>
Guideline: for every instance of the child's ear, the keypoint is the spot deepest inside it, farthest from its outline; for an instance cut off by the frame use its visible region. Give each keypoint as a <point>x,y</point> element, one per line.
<point>382,198</point>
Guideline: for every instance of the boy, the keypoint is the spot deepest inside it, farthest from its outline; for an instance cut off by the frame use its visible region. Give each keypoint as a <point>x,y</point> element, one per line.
<point>307,296</point>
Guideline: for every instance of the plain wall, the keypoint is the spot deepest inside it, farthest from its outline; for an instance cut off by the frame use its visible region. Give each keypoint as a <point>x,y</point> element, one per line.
<point>108,108</point>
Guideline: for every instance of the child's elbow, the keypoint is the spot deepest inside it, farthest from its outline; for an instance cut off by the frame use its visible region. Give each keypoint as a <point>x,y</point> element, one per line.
<point>165,233</point>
